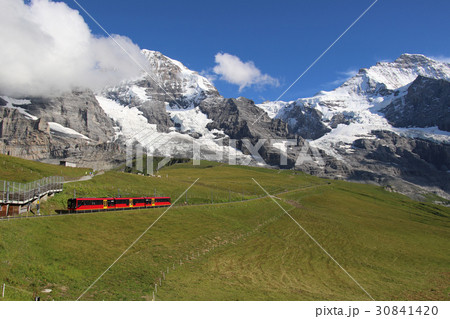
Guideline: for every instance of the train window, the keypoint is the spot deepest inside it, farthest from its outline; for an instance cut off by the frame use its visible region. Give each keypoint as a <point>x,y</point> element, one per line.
<point>110,202</point>
<point>71,203</point>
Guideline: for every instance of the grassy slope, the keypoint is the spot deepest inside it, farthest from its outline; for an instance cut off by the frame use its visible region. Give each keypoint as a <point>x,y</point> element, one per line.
<point>218,183</point>
<point>396,248</point>
<point>19,170</point>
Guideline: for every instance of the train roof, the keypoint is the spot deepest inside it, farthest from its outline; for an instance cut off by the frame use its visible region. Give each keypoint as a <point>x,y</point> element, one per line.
<point>102,198</point>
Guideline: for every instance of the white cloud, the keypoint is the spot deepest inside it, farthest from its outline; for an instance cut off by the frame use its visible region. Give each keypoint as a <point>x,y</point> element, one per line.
<point>343,76</point>
<point>209,76</point>
<point>441,58</point>
<point>245,74</point>
<point>47,48</point>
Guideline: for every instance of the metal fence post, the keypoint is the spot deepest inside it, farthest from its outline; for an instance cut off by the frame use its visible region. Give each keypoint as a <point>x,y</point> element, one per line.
<point>39,199</point>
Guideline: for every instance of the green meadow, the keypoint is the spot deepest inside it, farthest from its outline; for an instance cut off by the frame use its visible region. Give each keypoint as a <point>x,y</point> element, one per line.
<point>225,239</point>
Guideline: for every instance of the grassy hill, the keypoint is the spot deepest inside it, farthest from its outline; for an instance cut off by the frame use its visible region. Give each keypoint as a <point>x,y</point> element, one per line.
<point>20,170</point>
<point>226,240</point>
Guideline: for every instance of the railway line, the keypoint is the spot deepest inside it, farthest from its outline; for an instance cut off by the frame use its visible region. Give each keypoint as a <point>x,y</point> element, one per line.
<point>66,212</point>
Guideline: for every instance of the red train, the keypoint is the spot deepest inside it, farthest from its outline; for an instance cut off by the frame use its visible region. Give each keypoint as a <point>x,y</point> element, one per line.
<point>111,203</point>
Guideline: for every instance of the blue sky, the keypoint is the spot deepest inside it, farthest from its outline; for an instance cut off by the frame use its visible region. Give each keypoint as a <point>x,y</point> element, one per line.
<point>281,38</point>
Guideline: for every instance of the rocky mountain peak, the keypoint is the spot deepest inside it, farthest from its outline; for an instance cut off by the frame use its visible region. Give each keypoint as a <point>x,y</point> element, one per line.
<point>172,74</point>
<point>405,69</point>
<point>408,58</point>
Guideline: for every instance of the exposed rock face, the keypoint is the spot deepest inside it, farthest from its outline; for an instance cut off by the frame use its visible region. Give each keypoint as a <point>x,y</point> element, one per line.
<point>103,155</point>
<point>426,104</point>
<point>339,119</point>
<point>305,121</point>
<point>236,117</point>
<point>78,110</point>
<point>23,137</point>
<point>410,166</point>
<point>25,131</point>
<point>417,161</point>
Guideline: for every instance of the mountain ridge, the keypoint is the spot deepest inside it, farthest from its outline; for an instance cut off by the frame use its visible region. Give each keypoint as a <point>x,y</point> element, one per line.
<point>169,109</point>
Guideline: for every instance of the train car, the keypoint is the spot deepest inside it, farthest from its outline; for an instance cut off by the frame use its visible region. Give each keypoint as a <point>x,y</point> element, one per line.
<point>115,203</point>
<point>161,201</point>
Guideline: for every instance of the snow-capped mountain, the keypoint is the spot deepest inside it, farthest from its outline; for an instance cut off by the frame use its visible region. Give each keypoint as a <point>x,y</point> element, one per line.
<point>389,124</point>
<point>354,109</point>
<point>385,124</point>
<point>186,84</point>
<point>163,111</point>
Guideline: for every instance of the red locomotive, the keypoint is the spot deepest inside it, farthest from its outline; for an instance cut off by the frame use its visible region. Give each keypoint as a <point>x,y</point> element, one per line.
<point>118,203</point>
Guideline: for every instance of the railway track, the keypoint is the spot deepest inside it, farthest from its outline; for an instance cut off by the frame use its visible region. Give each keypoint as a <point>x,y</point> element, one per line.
<point>5,219</point>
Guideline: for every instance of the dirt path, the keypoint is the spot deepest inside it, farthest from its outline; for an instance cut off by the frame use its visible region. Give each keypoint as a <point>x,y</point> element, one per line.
<point>85,178</point>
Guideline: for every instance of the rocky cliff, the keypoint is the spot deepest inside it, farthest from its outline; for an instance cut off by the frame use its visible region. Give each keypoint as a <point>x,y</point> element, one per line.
<point>71,127</point>
<point>426,104</point>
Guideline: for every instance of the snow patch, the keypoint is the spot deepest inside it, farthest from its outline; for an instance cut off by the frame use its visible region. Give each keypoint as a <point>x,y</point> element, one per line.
<point>140,92</point>
<point>427,133</point>
<point>130,119</point>
<point>190,120</point>
<point>135,127</point>
<point>56,127</point>
<point>12,104</point>
<point>273,109</point>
